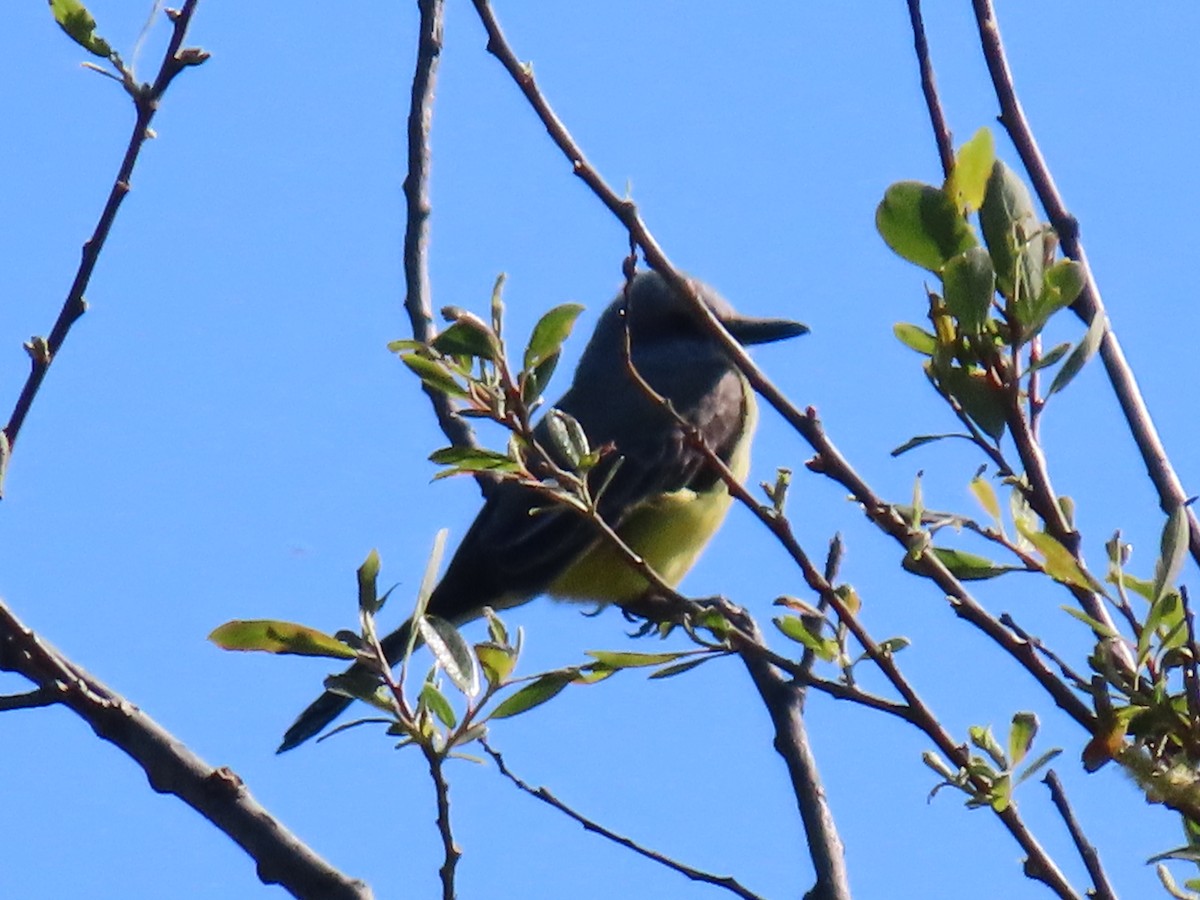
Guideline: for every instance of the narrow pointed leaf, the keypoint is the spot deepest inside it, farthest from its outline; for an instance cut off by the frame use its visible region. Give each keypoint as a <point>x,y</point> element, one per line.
<point>273,636</point>
<point>533,694</point>
<point>915,338</point>
<point>1021,733</point>
<point>986,495</point>
<point>1058,561</point>
<point>962,565</point>
<point>433,374</point>
<point>438,705</point>
<point>680,667</point>
<point>549,333</point>
<point>368,573</point>
<point>1080,355</point>
<point>630,660</point>
<point>1173,550</point>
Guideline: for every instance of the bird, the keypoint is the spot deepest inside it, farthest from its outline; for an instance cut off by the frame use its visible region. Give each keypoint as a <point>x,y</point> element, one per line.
<point>661,493</point>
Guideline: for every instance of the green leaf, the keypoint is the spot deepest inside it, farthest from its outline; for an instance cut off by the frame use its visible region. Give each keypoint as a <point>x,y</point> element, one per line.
<point>630,660</point>
<point>472,459</point>
<point>1096,625</point>
<point>1080,355</point>
<point>549,333</point>
<point>986,495</point>
<point>922,439</point>
<point>496,628</point>
<point>1173,550</point>
<point>451,651</point>
<point>978,398</point>
<point>921,224</point>
<point>1014,235</point>
<point>273,636</point>
<point>798,630</point>
<point>915,338</point>
<point>73,17</point>
<point>368,573</point>
<point>438,704</point>
<point>1048,359</point>
<point>1061,285</point>
<point>962,565</point>
<point>534,694</point>
<point>498,304</point>
<point>680,667</point>
<point>466,338</point>
<point>1039,763</point>
<point>496,660</point>
<point>567,436</point>
<point>433,374</point>
<point>1057,559</point>
<point>535,380</point>
<point>969,283</point>
<point>972,166</point>
<point>1021,733</point>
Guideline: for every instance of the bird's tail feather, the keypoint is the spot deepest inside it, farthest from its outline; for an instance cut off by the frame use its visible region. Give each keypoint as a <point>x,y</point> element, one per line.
<point>330,705</point>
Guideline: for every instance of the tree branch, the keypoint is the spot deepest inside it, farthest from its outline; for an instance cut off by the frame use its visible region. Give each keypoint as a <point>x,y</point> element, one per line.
<point>723,881</point>
<point>1087,852</point>
<point>418,300</point>
<point>937,119</point>
<point>218,794</point>
<point>42,351</point>
<point>1089,304</point>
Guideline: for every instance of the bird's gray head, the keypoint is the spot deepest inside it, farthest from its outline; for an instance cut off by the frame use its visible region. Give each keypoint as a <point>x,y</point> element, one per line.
<point>655,314</point>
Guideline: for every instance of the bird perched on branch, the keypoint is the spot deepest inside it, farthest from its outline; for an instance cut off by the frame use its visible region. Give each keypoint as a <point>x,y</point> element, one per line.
<point>660,492</point>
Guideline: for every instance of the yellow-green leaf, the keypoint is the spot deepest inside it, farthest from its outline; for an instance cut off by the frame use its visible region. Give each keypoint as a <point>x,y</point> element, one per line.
<point>272,636</point>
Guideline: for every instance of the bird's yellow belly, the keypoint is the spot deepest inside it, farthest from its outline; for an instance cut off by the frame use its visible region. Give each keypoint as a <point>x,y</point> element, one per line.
<point>669,533</point>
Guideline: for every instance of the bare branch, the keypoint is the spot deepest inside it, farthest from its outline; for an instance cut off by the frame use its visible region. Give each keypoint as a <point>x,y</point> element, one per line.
<point>450,851</point>
<point>47,695</point>
<point>1090,304</point>
<point>723,881</point>
<point>418,301</point>
<point>937,118</point>
<point>218,794</point>
<point>1087,852</point>
<point>42,351</point>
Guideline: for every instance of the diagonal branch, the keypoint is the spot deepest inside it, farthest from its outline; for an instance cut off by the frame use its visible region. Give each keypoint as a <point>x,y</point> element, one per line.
<point>42,351</point>
<point>1090,304</point>
<point>724,881</point>
<point>218,794</point>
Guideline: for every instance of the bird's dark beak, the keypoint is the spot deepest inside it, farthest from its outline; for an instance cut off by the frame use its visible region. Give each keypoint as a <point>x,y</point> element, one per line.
<point>749,330</point>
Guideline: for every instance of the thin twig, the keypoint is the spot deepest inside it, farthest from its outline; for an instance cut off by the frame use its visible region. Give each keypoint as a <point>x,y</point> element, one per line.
<point>47,695</point>
<point>1090,303</point>
<point>218,794</point>
<point>450,852</point>
<point>937,118</point>
<point>1087,852</point>
<point>43,351</point>
<point>724,881</point>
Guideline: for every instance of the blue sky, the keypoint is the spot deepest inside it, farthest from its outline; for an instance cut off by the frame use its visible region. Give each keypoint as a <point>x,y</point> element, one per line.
<point>225,434</point>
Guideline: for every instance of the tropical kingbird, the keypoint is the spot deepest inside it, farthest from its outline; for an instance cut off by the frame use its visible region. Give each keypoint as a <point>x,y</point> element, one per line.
<point>660,492</point>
